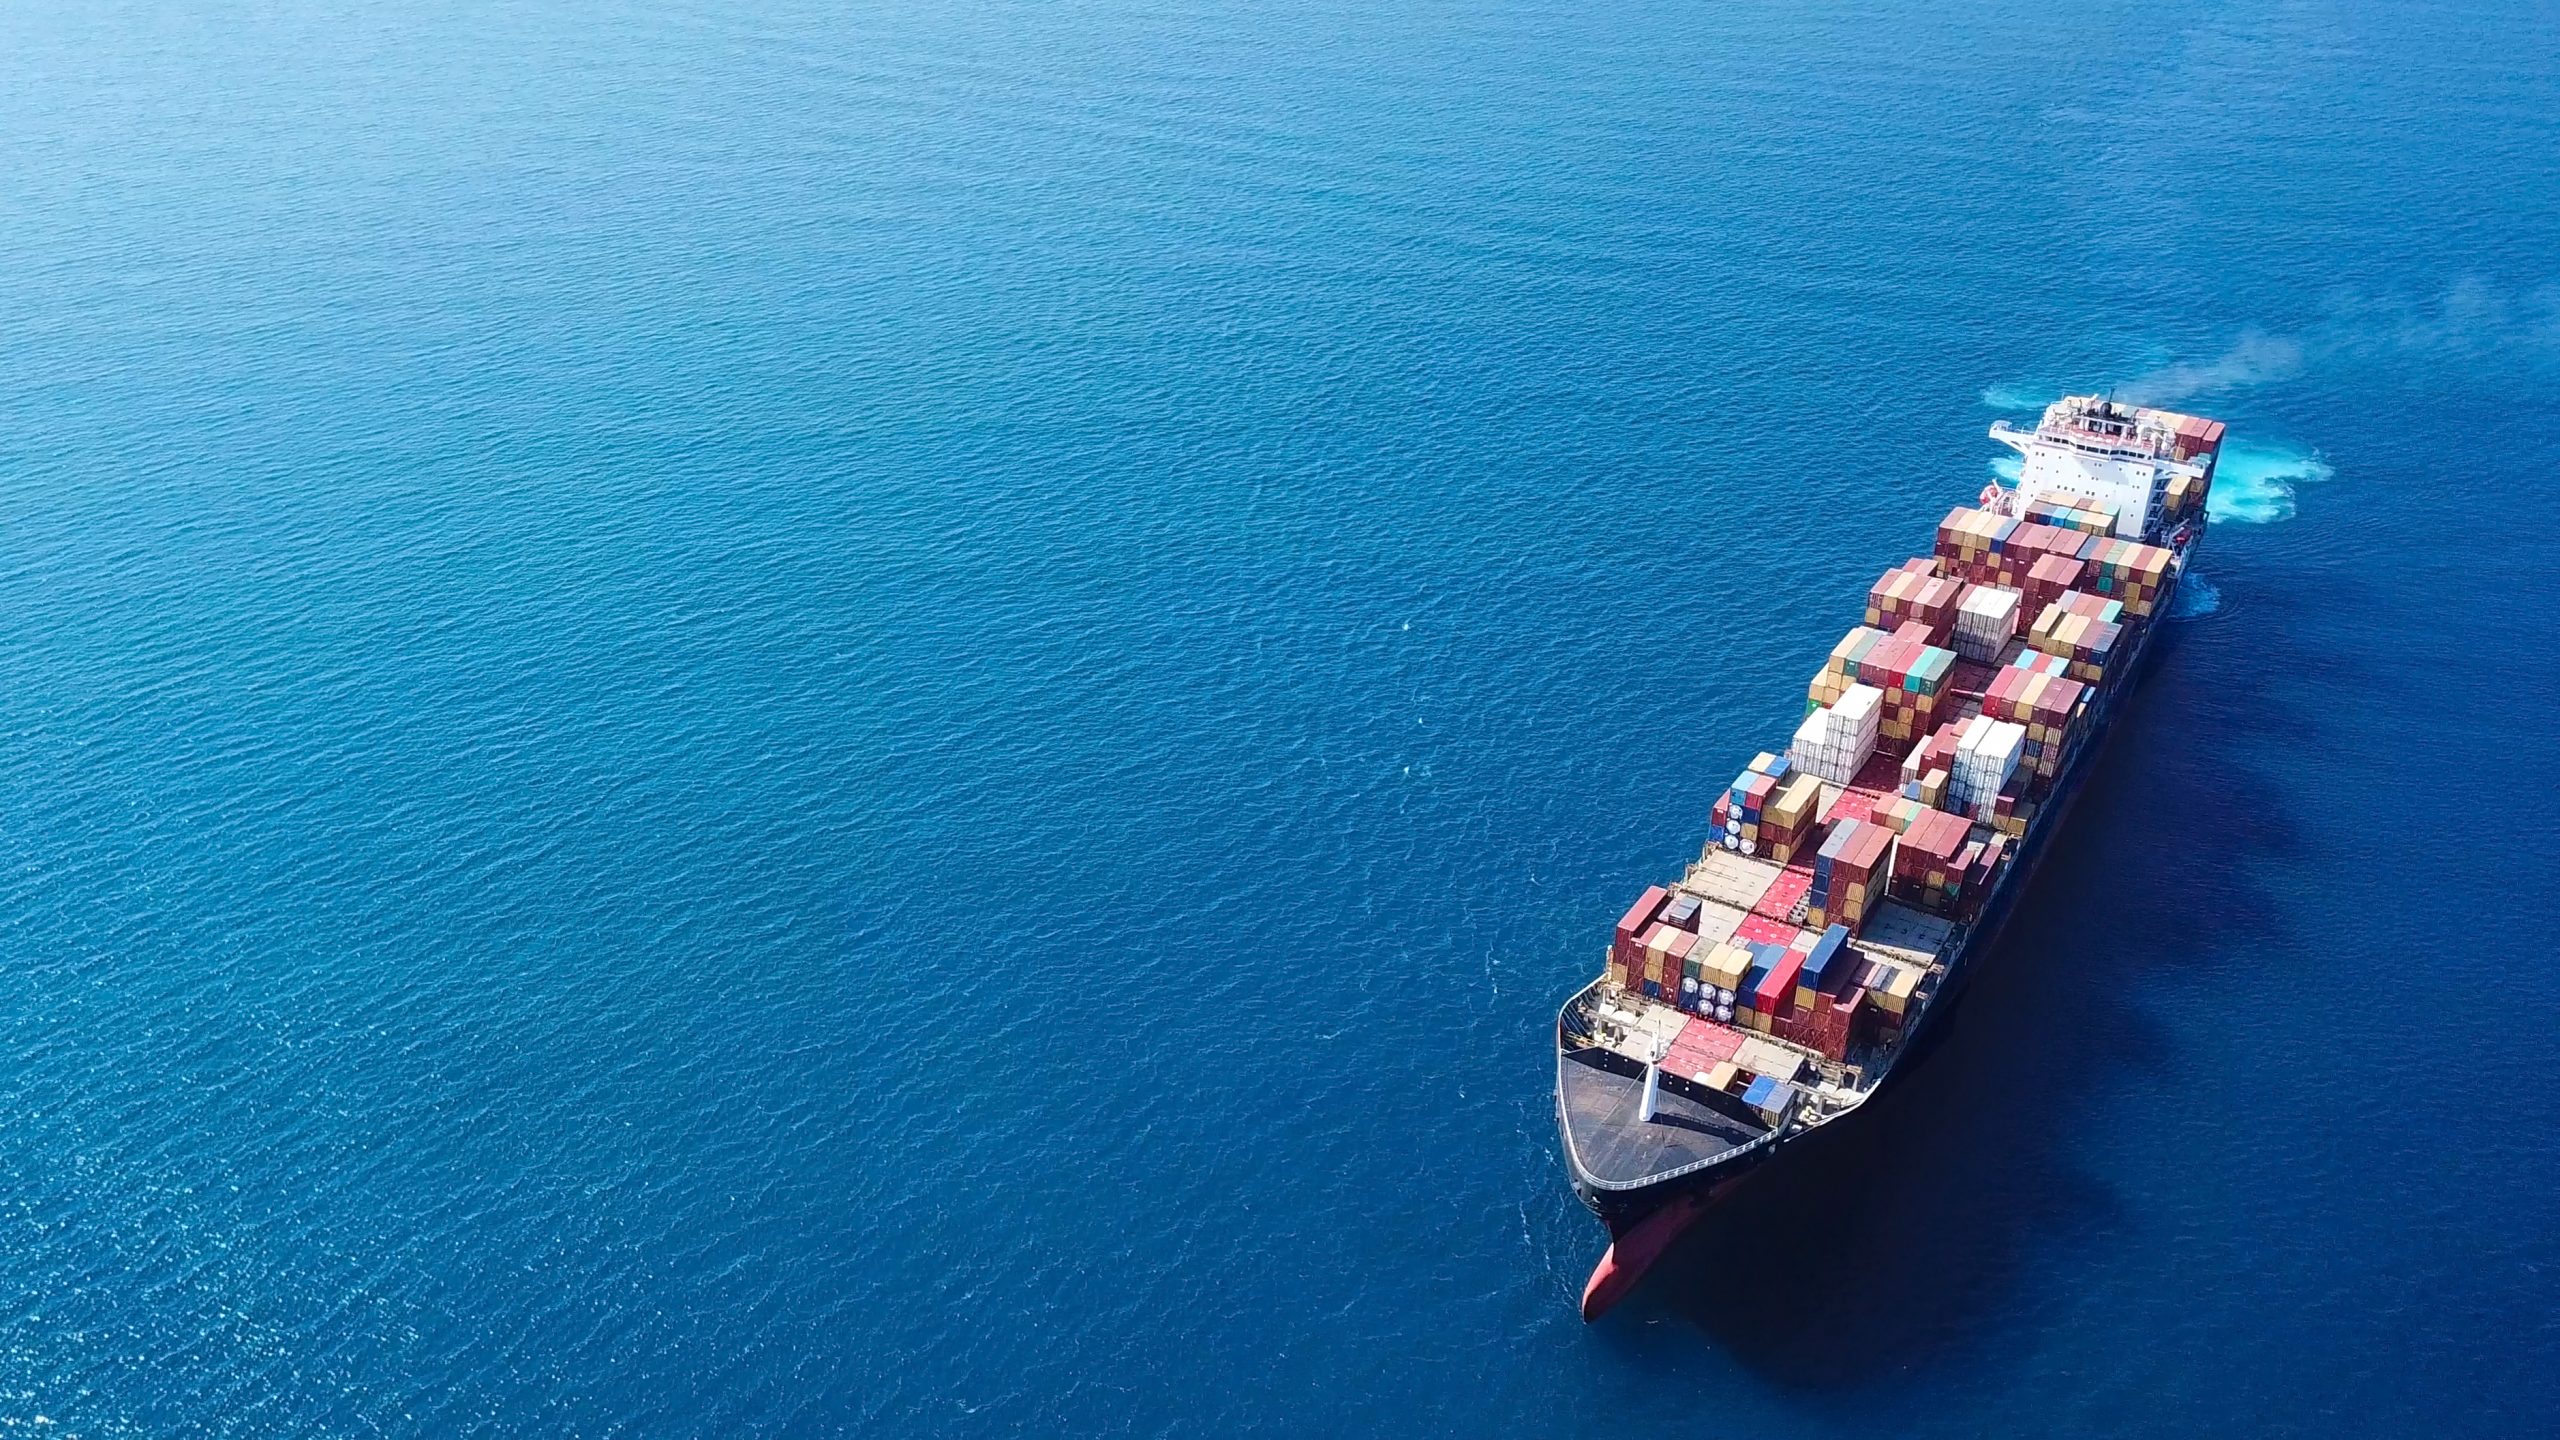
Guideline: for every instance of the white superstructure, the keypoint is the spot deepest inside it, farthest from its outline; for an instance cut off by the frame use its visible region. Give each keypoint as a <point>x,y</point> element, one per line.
<point>2122,457</point>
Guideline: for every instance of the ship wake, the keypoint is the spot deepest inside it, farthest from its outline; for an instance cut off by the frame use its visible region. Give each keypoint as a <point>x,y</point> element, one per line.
<point>2260,484</point>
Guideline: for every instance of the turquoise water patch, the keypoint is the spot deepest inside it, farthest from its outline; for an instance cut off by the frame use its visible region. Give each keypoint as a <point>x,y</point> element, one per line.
<point>2197,598</point>
<point>2257,484</point>
<point>2019,397</point>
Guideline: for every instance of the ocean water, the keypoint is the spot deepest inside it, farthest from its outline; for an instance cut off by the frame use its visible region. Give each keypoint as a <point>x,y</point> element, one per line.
<point>899,719</point>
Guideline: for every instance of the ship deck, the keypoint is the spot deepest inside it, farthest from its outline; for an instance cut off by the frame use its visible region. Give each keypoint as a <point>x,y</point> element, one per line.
<point>1599,1106</point>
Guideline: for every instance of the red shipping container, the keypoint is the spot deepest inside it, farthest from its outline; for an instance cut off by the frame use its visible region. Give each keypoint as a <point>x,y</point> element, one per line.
<point>1641,950</point>
<point>1673,956</point>
<point>1931,842</point>
<point>1701,1046</point>
<point>1779,985</point>
<point>1761,930</point>
<point>2047,579</point>
<point>1852,1015</point>
<point>1855,805</point>
<point>1798,1027</point>
<point>1783,895</point>
<point>1913,593</point>
<point>1638,917</point>
<point>1828,1027</point>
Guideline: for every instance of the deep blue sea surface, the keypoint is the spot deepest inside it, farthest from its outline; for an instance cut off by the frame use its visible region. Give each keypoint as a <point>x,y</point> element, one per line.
<point>899,719</point>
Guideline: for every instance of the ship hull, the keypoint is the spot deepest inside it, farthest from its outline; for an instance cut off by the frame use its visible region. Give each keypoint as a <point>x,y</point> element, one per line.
<point>1646,1222</point>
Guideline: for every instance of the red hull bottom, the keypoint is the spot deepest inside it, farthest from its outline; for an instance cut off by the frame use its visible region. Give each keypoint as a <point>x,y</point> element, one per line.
<point>1635,1252</point>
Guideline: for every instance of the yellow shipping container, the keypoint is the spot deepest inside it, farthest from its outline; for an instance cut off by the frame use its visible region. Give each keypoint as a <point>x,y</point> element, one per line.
<point>1795,801</point>
<point>1881,991</point>
<point>1892,995</point>
<point>1904,986</point>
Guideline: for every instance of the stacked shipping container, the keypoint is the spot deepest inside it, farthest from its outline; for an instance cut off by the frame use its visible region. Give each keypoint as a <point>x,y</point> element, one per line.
<point>1769,809</point>
<point>1914,592</point>
<point>1908,671</point>
<point>2089,517</point>
<point>1987,755</point>
<point>1895,813</point>
<point>2046,580</point>
<point>1836,739</point>
<point>1934,756</point>
<point>1911,673</point>
<point>1626,949</point>
<point>2180,499</point>
<point>1992,549</point>
<point>1849,873</point>
<point>1986,620</point>
<point>2037,661</point>
<point>2084,641</point>
<point>1780,960</point>
<point>1970,540</point>
<point>1840,671</point>
<point>2095,607</point>
<point>2049,706</point>
<point>1926,860</point>
<point>1808,990</point>
<point>1890,988</point>
<point>1720,973</point>
<point>2128,571</point>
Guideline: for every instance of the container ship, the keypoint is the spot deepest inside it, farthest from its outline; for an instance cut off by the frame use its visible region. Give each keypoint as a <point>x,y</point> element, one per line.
<point>1850,883</point>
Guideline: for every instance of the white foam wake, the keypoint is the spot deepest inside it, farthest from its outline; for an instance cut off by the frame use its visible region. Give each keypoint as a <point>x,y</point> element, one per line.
<point>2259,484</point>
<point>2197,598</point>
<point>2018,398</point>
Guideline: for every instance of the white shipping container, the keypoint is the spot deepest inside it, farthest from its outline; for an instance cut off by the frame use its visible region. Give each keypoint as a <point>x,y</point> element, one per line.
<point>1862,707</point>
<point>1834,741</point>
<point>1987,753</point>
<point>1814,732</point>
<point>1986,620</point>
<point>2003,741</point>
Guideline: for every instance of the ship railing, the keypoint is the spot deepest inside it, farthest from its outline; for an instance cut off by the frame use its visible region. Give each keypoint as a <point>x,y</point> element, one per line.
<point>2134,443</point>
